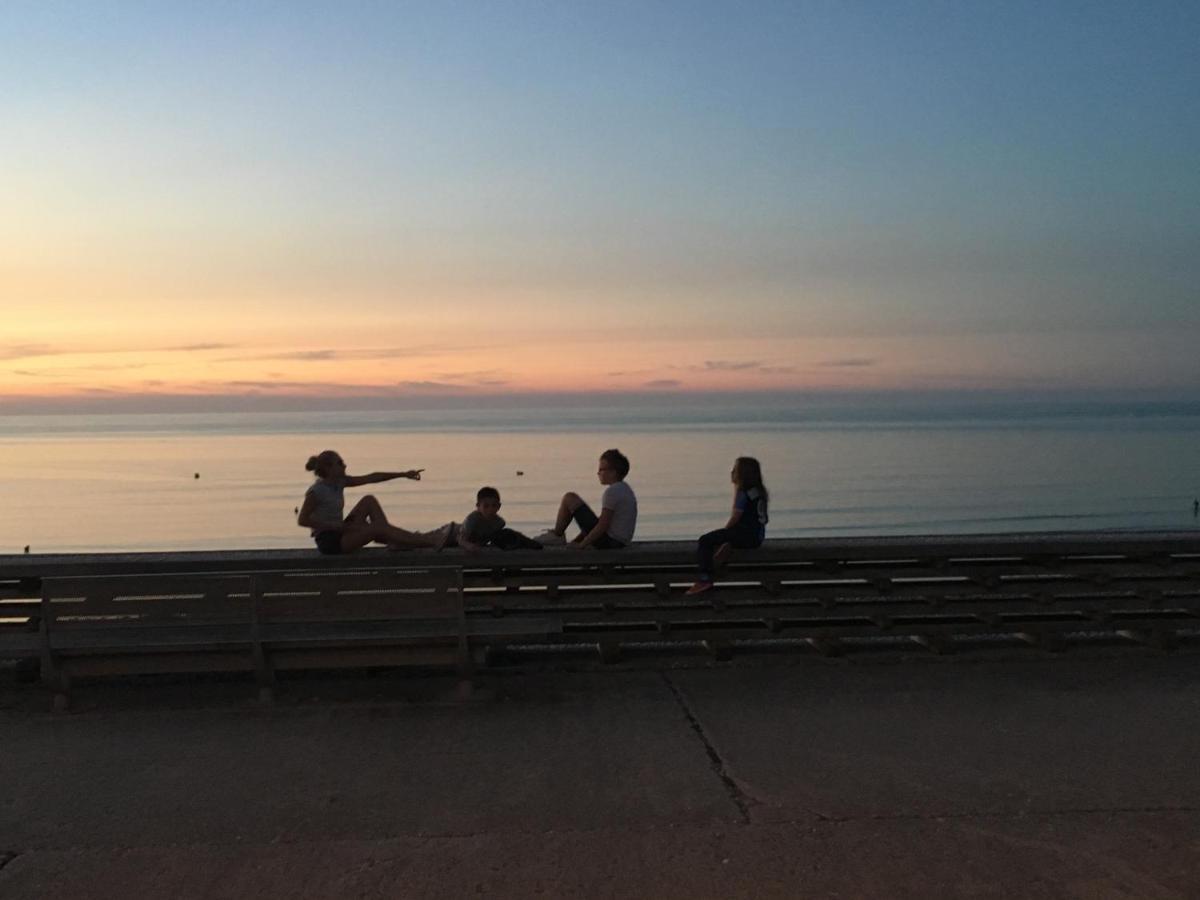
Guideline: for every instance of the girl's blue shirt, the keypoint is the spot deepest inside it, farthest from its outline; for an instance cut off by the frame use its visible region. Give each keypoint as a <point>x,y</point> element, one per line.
<point>753,506</point>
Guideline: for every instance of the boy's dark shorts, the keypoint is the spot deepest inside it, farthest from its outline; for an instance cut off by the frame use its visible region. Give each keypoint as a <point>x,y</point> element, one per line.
<point>587,520</point>
<point>329,542</point>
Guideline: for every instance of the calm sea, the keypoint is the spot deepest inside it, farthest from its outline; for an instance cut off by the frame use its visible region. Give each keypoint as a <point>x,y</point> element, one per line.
<point>129,482</point>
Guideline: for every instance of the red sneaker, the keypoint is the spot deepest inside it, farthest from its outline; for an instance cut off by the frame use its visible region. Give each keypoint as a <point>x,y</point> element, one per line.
<point>700,587</point>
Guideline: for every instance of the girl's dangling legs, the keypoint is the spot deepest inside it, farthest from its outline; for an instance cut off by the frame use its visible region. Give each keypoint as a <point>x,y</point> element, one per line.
<point>706,547</point>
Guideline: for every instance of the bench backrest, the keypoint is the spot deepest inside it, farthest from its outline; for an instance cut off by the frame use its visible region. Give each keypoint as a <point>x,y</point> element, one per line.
<point>146,600</point>
<point>388,595</point>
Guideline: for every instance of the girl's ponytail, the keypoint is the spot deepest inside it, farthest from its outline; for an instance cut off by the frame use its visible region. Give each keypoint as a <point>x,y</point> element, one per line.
<point>323,463</point>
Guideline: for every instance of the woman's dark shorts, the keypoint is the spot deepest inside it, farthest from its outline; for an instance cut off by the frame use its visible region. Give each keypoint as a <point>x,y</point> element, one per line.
<point>329,542</point>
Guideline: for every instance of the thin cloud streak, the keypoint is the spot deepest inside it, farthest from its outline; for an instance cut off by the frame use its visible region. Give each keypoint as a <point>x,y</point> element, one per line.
<point>429,386</point>
<point>365,353</point>
<point>56,371</point>
<point>24,351</point>
<point>853,362</point>
<point>479,376</point>
<point>726,365</point>
<point>723,365</point>
<point>194,348</point>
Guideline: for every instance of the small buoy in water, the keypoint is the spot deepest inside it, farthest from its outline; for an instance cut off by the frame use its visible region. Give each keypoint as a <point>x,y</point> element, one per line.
<point>197,475</point>
<point>519,472</point>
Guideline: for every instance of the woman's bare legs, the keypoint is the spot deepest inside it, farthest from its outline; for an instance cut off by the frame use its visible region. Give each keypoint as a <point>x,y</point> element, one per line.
<point>367,510</point>
<point>355,536</point>
<point>399,539</point>
<point>367,522</point>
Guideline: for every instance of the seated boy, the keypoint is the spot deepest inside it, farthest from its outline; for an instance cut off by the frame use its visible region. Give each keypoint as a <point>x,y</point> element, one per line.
<point>614,527</point>
<point>485,528</point>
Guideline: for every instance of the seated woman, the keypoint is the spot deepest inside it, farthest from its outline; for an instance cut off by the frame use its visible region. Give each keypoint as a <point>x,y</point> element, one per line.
<point>324,503</point>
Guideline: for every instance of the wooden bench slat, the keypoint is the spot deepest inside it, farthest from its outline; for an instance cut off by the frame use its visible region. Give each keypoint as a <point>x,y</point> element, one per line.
<point>340,607</point>
<point>339,657</point>
<point>67,615</point>
<point>150,639</point>
<point>141,663</point>
<point>19,645</point>
<point>1165,547</point>
<point>141,585</point>
<point>354,581</point>
<point>166,598</point>
<point>19,609</point>
<point>526,628</point>
<point>356,632</point>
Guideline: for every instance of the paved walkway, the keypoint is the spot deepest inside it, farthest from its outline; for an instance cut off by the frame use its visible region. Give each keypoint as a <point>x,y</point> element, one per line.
<point>1023,778</point>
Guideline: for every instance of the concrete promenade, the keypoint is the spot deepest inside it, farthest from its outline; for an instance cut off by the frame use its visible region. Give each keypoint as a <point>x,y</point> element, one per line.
<point>1030,776</point>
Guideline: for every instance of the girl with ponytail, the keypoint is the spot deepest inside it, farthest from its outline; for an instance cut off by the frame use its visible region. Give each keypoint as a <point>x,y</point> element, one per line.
<point>324,503</point>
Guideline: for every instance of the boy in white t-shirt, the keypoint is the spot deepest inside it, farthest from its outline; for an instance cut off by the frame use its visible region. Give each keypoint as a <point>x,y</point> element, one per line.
<point>614,527</point>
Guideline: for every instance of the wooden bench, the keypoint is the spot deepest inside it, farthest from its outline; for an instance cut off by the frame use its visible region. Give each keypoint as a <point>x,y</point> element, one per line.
<point>263,623</point>
<point>134,624</point>
<point>829,594</point>
<point>937,593</point>
<point>304,620</point>
<point>388,617</point>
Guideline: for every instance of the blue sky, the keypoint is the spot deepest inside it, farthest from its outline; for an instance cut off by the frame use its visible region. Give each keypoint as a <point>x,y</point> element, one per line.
<point>953,195</point>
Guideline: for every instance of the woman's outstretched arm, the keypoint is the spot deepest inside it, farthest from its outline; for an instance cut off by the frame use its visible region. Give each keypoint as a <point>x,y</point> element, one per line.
<point>376,477</point>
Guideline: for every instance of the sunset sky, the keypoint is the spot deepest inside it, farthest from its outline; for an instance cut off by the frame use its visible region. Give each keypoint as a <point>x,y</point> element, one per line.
<point>396,200</point>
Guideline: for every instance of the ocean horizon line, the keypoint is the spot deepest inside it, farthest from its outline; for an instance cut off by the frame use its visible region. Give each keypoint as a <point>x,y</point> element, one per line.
<point>852,403</point>
<point>613,414</point>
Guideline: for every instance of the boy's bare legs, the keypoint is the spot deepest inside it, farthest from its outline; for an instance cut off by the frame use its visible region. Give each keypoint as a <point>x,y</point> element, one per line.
<point>567,507</point>
<point>566,511</point>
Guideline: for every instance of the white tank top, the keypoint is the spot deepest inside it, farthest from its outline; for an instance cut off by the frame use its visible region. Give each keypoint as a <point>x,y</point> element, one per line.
<point>329,504</point>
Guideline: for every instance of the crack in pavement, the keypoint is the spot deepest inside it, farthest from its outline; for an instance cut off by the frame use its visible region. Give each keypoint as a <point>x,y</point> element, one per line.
<point>740,800</point>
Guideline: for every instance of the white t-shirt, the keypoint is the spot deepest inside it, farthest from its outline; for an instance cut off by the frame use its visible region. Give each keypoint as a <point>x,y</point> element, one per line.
<point>619,497</point>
